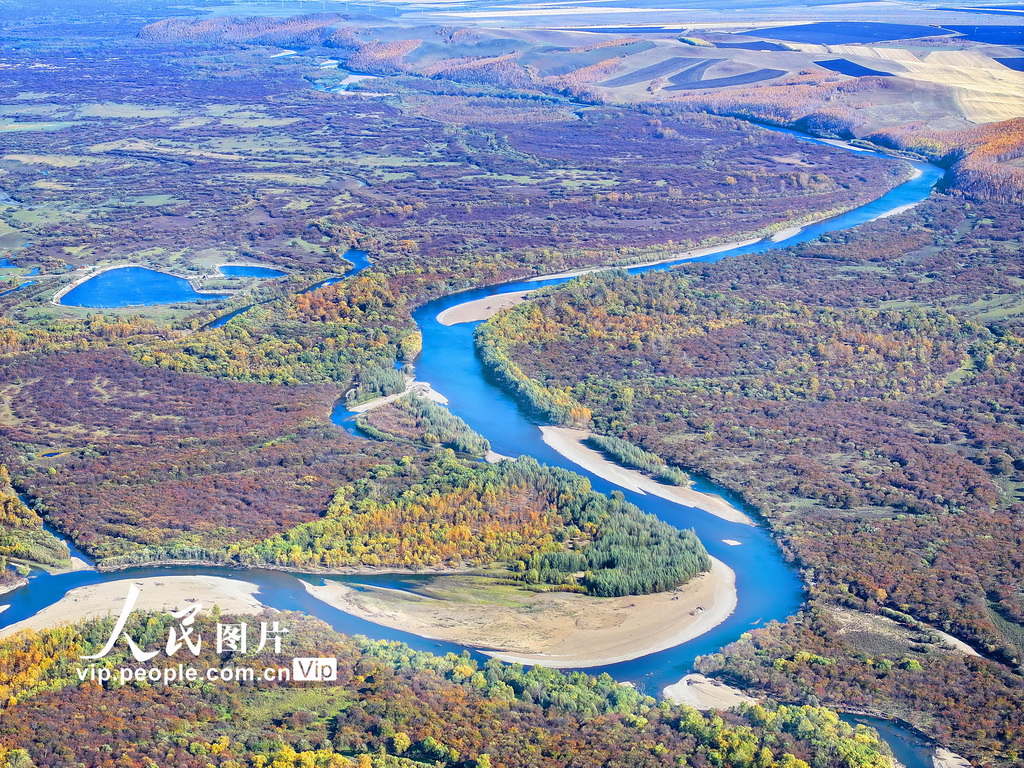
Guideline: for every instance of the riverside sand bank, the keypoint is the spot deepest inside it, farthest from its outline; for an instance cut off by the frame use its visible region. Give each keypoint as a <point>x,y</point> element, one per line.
<point>696,253</point>
<point>162,593</point>
<point>421,388</point>
<point>701,692</point>
<point>480,309</point>
<point>569,443</point>
<point>555,629</point>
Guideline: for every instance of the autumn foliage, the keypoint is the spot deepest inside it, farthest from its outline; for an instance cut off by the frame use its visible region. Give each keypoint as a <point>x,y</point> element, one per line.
<point>389,708</point>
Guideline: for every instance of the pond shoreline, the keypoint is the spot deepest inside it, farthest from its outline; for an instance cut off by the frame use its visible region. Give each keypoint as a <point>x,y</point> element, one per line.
<point>83,279</point>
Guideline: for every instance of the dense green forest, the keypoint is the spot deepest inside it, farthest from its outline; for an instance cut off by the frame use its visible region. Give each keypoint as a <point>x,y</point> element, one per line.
<point>389,708</point>
<point>545,523</point>
<point>624,452</point>
<point>22,538</point>
<point>420,420</point>
<point>862,391</point>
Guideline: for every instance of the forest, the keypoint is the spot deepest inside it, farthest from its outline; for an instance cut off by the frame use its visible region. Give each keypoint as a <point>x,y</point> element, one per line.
<point>173,438</point>
<point>23,542</point>
<point>350,332</point>
<point>545,524</point>
<point>143,457</point>
<point>861,391</point>
<point>419,420</point>
<point>140,464</point>
<point>979,157</point>
<point>390,707</point>
<point>447,184</point>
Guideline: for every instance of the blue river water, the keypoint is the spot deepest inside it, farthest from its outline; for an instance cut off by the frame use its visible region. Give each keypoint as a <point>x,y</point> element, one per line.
<point>7,264</point>
<point>769,589</point>
<point>908,746</point>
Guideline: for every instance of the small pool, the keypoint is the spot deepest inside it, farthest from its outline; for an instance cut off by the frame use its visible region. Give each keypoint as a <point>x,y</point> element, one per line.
<point>248,270</point>
<point>133,287</point>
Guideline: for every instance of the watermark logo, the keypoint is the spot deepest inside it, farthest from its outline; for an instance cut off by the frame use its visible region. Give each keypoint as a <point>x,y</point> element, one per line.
<point>183,635</point>
<point>323,670</point>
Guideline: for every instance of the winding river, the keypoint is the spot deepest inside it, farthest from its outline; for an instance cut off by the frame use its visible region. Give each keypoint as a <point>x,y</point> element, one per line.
<point>769,589</point>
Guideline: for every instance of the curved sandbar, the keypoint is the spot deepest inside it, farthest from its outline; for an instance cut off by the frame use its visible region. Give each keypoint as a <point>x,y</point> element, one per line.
<point>481,309</point>
<point>569,443</point>
<point>944,758</point>
<point>555,629</point>
<point>420,388</point>
<point>700,692</point>
<point>163,593</point>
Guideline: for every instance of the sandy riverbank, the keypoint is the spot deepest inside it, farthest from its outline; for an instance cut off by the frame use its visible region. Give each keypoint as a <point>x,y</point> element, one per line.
<point>701,692</point>
<point>896,211</point>
<point>787,233</point>
<point>569,443</point>
<point>157,594</point>
<point>421,388</point>
<point>480,309</point>
<point>555,629</point>
<point>944,758</point>
<point>79,564</point>
<point>696,253</point>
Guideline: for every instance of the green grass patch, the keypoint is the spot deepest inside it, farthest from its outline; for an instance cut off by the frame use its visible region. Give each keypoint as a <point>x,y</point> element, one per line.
<point>1011,631</point>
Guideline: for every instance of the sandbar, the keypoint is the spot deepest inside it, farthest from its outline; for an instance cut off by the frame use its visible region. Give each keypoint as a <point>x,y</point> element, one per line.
<point>569,443</point>
<point>555,629</point>
<point>76,564</point>
<point>480,309</point>
<point>421,388</point>
<point>895,211</point>
<point>158,593</point>
<point>703,693</point>
<point>787,233</point>
<point>695,253</point>
<point>944,758</point>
